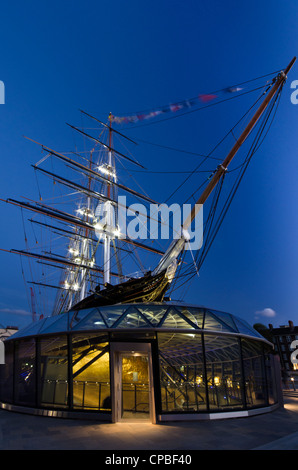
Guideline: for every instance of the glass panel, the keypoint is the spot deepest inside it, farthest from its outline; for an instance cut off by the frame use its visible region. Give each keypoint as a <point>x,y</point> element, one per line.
<point>91,372</point>
<point>212,322</point>
<point>48,322</point>
<point>226,319</point>
<point>195,315</point>
<point>154,313</point>
<point>135,387</point>
<point>270,375</point>
<point>223,367</point>
<point>25,385</point>
<point>6,374</point>
<point>133,319</point>
<point>54,371</point>
<point>245,328</point>
<point>173,320</point>
<point>91,321</point>
<point>111,314</point>
<point>31,329</point>
<point>254,373</point>
<point>59,324</point>
<point>75,316</point>
<point>181,372</point>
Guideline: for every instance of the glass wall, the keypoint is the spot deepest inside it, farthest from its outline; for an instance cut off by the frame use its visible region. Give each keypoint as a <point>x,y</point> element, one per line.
<point>213,373</point>
<point>254,373</point>
<point>270,377</point>
<point>91,372</point>
<point>6,374</point>
<point>54,371</point>
<point>224,377</point>
<point>25,372</point>
<point>197,371</point>
<point>182,376</point>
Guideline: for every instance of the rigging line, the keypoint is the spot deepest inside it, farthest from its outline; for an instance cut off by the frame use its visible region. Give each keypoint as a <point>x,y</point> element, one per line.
<point>182,257</point>
<point>210,93</point>
<point>23,222</point>
<point>208,244</point>
<point>36,240</point>
<point>25,282</point>
<point>136,258</point>
<point>193,110</point>
<point>92,256</point>
<point>204,253</point>
<point>214,205</point>
<point>174,172</point>
<point>108,147</point>
<point>142,189</point>
<point>220,142</point>
<point>251,152</point>
<point>183,182</point>
<point>175,150</point>
<point>108,126</point>
<point>151,215</point>
<point>278,97</point>
<point>26,242</point>
<point>38,188</point>
<point>210,218</point>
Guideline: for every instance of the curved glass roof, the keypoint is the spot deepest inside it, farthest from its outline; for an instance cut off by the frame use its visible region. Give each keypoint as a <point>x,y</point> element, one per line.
<point>148,315</point>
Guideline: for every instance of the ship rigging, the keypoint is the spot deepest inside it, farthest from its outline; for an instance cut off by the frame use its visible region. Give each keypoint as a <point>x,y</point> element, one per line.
<point>93,229</point>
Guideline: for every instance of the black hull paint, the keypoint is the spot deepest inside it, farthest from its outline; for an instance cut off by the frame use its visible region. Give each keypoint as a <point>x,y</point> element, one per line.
<point>146,289</point>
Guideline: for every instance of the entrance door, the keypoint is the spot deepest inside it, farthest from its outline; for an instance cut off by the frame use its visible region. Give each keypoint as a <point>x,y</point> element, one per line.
<point>133,398</point>
<point>135,386</point>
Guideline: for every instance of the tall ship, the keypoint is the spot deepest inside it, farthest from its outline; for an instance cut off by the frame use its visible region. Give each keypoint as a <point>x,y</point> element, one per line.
<point>109,339</point>
<point>92,271</point>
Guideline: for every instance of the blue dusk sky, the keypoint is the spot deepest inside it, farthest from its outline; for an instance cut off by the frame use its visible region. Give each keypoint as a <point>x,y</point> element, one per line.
<point>133,56</point>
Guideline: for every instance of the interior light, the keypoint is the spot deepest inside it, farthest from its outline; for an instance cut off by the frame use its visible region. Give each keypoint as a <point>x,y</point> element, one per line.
<point>216,380</point>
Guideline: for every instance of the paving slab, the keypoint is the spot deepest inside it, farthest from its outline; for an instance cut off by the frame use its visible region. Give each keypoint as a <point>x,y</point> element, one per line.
<point>277,430</point>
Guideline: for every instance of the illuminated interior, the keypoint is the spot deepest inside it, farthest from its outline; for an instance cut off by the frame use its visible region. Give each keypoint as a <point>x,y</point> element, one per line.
<point>135,386</point>
<point>202,361</point>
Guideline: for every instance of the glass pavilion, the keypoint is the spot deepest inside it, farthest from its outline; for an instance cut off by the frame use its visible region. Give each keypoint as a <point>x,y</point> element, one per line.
<point>152,361</point>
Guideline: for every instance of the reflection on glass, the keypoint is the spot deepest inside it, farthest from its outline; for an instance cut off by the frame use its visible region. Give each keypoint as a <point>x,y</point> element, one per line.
<point>270,376</point>
<point>54,371</point>
<point>25,386</point>
<point>133,319</point>
<point>153,313</point>
<point>224,379</point>
<point>181,372</point>
<point>91,372</point>
<point>6,374</point>
<point>254,373</point>
<point>195,315</point>
<point>135,386</point>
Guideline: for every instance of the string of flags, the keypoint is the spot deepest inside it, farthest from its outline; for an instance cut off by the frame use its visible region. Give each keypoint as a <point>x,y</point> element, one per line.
<point>203,98</point>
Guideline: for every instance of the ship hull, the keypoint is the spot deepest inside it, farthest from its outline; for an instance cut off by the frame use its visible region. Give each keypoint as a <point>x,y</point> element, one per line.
<point>149,288</point>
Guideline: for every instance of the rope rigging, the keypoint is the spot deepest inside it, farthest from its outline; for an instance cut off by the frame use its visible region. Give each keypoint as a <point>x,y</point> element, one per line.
<point>189,272</point>
<point>219,202</point>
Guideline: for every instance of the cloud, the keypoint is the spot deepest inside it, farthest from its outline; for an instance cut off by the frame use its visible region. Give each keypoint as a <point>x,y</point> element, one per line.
<point>266,312</point>
<point>15,311</point>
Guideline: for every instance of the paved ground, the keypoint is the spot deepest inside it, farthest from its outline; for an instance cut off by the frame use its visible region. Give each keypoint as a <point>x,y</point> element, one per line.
<point>273,431</point>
